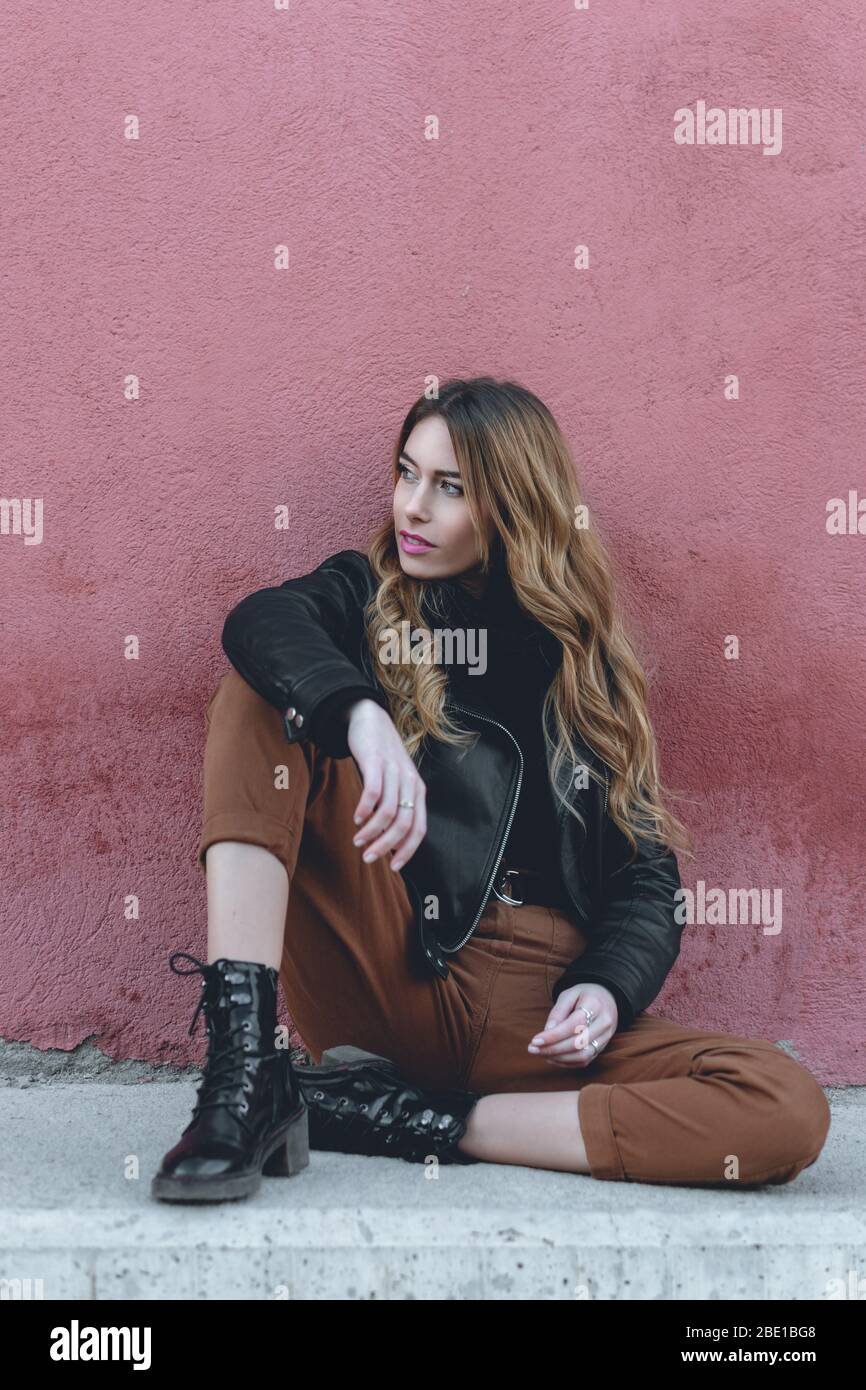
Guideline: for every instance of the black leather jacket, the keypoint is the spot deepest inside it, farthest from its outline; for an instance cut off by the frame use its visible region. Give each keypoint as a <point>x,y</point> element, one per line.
<point>301,645</point>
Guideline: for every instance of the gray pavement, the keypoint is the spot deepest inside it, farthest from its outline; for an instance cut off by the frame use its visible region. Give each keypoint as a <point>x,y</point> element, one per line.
<point>77,1219</point>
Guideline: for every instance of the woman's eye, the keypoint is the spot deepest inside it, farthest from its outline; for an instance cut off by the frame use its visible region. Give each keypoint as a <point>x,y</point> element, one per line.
<point>403,472</point>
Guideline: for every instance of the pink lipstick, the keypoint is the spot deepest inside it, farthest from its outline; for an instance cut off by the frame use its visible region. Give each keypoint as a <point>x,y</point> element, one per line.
<point>414,545</point>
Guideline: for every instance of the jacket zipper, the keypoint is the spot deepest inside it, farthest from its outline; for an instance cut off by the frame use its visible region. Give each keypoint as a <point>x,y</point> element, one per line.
<point>449,950</point>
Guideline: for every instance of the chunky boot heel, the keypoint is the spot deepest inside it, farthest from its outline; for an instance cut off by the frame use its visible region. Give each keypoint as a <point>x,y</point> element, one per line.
<point>292,1153</point>
<point>250,1117</point>
<point>358,1103</point>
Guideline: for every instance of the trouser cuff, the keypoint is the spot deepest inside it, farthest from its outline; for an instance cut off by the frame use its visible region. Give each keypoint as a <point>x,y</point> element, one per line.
<point>596,1127</point>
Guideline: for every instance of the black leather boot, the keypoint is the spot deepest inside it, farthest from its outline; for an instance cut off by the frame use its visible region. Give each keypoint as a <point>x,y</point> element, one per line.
<point>358,1103</point>
<point>250,1117</point>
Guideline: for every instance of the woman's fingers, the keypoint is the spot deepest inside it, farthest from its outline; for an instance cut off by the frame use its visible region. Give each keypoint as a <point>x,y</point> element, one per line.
<point>374,772</point>
<point>417,830</point>
<point>384,812</point>
<point>577,1042</point>
<point>390,777</point>
<point>575,1049</point>
<point>559,1032</point>
<point>571,1038</point>
<point>401,824</point>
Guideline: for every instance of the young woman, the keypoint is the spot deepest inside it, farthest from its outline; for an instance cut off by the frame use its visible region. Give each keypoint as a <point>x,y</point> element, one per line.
<point>432,809</point>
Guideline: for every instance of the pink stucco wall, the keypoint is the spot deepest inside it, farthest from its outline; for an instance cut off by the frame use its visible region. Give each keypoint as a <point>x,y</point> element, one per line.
<point>260,387</point>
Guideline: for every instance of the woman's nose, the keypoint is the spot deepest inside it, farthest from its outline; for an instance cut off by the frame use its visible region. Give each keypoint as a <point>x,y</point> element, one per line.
<point>417,507</point>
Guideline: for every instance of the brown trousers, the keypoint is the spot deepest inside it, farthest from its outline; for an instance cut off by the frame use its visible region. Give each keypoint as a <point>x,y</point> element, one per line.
<point>662,1103</point>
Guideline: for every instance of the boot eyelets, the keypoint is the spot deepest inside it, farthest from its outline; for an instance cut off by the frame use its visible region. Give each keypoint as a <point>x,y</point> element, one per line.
<point>363,1107</point>
<point>244,1107</point>
<point>248,1027</point>
<point>318,1095</point>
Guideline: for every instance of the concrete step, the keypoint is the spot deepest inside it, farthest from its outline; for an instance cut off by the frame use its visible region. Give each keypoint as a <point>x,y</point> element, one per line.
<point>78,1221</point>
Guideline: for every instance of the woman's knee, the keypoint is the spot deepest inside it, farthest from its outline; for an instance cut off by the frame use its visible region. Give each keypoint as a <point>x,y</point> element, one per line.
<point>800,1117</point>
<point>784,1113</point>
<point>234,698</point>
<point>814,1109</point>
<point>255,780</point>
<point>242,725</point>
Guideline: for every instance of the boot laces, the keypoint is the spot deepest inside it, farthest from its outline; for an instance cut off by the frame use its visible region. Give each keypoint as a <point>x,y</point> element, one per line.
<point>220,1084</point>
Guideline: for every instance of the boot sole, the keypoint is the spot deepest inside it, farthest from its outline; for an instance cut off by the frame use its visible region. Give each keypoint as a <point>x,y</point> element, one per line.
<point>288,1154</point>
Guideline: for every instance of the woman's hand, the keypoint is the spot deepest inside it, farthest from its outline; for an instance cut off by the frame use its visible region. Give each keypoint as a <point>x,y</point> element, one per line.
<point>390,776</point>
<point>566,1039</point>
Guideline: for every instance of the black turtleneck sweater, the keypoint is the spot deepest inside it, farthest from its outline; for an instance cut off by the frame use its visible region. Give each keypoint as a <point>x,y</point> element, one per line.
<point>522,660</point>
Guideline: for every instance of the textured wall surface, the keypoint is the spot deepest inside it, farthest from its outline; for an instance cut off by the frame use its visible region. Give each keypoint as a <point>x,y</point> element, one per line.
<point>154,258</point>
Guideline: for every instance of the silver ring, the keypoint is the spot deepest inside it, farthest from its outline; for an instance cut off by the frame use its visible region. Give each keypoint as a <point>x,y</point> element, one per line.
<point>410,805</point>
<point>594,1044</point>
<point>589,1014</point>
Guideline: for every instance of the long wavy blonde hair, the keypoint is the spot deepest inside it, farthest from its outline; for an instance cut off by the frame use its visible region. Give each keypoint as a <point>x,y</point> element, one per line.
<point>513,458</point>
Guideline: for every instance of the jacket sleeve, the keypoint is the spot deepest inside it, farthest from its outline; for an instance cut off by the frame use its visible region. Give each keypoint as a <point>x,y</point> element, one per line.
<point>294,644</point>
<point>637,935</point>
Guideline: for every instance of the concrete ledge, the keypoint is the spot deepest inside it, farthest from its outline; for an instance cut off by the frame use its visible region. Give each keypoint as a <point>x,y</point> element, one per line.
<point>76,1213</point>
